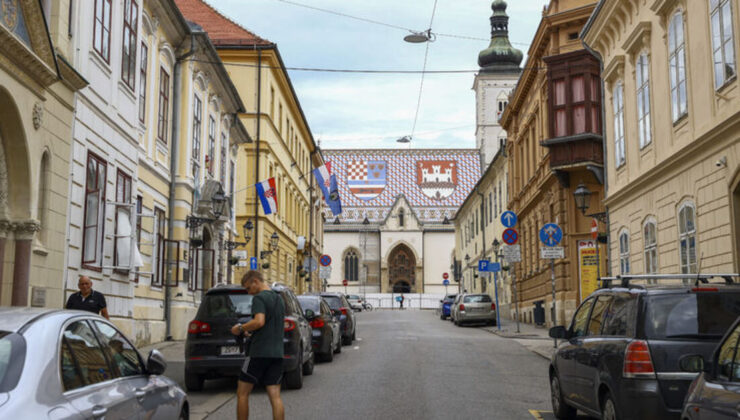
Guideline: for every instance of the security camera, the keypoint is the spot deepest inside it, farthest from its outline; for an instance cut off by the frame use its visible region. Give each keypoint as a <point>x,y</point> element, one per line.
<point>722,163</point>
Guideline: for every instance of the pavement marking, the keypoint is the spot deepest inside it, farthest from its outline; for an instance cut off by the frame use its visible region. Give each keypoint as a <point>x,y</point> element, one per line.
<point>357,347</point>
<point>538,414</point>
<point>359,339</point>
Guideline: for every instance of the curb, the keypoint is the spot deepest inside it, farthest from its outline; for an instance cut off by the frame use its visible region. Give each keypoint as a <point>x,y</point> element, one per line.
<point>542,353</point>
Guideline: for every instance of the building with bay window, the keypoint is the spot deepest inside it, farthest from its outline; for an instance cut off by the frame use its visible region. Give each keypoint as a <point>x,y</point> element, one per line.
<point>672,148</point>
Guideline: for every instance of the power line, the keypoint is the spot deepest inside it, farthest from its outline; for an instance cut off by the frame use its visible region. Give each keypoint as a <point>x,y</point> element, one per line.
<point>423,70</point>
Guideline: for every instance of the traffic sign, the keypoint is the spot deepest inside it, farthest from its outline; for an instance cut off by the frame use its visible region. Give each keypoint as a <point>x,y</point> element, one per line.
<point>512,253</point>
<point>508,219</point>
<point>325,260</point>
<point>552,252</point>
<point>494,267</point>
<point>483,265</point>
<point>253,263</point>
<point>551,234</point>
<point>345,282</point>
<point>310,264</point>
<point>324,272</point>
<point>510,236</point>
<point>445,276</point>
<point>446,282</point>
<point>594,229</point>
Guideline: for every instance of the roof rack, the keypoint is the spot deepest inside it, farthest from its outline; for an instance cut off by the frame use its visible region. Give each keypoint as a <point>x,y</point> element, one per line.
<point>699,278</point>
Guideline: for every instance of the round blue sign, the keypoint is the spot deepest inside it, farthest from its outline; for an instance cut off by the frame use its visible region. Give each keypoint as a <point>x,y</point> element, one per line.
<point>551,234</point>
<point>508,219</point>
<point>446,282</point>
<point>325,260</point>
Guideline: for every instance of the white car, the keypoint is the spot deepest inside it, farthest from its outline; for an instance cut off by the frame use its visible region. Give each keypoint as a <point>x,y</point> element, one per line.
<point>355,301</point>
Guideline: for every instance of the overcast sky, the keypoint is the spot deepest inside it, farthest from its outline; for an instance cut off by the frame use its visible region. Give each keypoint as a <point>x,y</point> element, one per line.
<point>373,110</point>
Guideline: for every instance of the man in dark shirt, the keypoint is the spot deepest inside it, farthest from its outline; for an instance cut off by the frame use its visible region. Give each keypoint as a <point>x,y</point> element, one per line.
<point>87,299</point>
<point>265,361</point>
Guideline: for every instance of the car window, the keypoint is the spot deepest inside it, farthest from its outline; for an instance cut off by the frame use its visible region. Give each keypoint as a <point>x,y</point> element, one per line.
<point>324,307</point>
<point>12,358</point>
<point>691,315</point>
<point>124,356</point>
<point>597,315</point>
<point>334,301</point>
<point>84,352</point>
<point>309,302</point>
<point>355,297</point>
<point>727,360</point>
<point>619,317</point>
<point>230,305</point>
<point>477,299</point>
<point>578,327</point>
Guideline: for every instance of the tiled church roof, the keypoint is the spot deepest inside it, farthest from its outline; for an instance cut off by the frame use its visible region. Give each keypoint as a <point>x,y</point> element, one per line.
<point>402,176</point>
<point>222,30</point>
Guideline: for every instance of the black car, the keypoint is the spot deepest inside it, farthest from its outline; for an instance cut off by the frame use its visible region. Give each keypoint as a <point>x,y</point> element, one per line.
<point>213,352</point>
<point>621,354</point>
<point>339,305</point>
<point>326,336</point>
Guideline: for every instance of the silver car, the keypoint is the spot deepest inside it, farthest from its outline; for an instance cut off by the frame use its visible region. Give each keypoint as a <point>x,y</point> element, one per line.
<point>473,308</point>
<point>355,301</point>
<point>62,364</point>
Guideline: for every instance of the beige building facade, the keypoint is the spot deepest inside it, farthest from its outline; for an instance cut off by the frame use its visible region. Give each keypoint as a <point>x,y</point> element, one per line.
<point>672,100</point>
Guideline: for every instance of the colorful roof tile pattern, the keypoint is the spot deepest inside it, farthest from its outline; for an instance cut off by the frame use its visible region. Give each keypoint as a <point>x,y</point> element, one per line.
<point>434,181</point>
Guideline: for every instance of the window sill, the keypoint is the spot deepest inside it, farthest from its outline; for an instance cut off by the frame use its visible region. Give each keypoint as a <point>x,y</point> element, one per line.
<point>646,149</point>
<point>128,91</point>
<point>681,121</point>
<point>39,249</point>
<point>725,86</point>
<point>100,62</point>
<point>92,268</point>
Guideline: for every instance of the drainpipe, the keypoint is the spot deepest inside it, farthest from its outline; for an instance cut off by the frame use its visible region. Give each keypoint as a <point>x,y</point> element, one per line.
<point>174,155</point>
<point>482,225</point>
<point>310,220</point>
<point>257,150</point>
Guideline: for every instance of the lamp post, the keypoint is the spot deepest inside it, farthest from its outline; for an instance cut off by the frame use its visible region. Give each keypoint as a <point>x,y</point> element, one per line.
<point>467,266</point>
<point>496,245</point>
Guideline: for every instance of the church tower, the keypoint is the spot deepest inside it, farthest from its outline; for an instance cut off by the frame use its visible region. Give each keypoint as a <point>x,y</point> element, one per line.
<point>499,73</point>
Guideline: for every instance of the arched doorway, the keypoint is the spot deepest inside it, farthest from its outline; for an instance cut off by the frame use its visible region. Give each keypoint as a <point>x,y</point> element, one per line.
<point>402,269</point>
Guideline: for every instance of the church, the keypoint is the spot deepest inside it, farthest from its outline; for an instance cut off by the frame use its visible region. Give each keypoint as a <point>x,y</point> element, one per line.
<point>395,234</point>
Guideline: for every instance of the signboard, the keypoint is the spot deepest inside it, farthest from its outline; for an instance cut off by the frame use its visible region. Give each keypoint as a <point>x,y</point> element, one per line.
<point>324,273</point>
<point>508,219</point>
<point>483,265</point>
<point>325,260</point>
<point>445,276</point>
<point>594,229</point>
<point>310,264</point>
<point>242,254</point>
<point>494,267</point>
<point>510,236</point>
<point>588,267</point>
<point>446,282</point>
<point>345,282</point>
<point>253,263</point>
<point>512,253</point>
<point>551,234</point>
<point>552,252</point>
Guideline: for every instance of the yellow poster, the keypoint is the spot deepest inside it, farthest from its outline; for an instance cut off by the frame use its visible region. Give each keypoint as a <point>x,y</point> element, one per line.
<point>587,267</point>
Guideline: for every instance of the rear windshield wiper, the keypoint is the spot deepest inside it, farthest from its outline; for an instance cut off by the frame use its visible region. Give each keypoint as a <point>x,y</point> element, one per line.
<point>694,336</point>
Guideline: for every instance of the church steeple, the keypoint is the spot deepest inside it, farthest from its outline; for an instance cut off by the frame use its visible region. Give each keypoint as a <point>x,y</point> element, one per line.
<point>500,56</point>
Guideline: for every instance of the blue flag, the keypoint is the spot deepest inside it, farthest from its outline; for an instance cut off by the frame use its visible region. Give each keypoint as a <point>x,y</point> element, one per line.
<point>333,200</point>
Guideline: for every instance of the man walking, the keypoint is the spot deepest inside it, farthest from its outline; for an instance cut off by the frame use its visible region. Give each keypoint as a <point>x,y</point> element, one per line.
<point>265,358</point>
<point>402,299</point>
<point>88,299</point>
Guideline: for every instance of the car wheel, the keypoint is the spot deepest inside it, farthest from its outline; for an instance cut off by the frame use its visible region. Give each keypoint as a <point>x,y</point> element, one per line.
<point>308,366</point>
<point>184,413</point>
<point>608,408</point>
<point>329,356</point>
<point>442,317</point>
<point>294,378</point>
<point>193,382</point>
<point>339,346</point>
<point>347,341</point>
<point>559,407</point>
<point>354,334</point>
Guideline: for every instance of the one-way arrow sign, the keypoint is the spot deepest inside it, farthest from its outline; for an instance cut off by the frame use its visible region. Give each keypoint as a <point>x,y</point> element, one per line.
<point>508,219</point>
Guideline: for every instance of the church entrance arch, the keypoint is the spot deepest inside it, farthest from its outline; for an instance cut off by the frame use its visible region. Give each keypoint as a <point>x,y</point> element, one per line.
<point>402,269</point>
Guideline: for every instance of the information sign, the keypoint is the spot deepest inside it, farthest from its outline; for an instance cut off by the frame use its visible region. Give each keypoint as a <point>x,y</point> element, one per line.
<point>552,252</point>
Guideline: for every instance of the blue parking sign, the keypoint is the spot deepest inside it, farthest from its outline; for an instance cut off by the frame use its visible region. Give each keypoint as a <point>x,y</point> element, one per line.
<point>483,265</point>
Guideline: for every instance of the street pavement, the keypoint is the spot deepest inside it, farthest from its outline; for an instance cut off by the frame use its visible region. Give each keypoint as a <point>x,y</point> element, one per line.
<point>405,365</point>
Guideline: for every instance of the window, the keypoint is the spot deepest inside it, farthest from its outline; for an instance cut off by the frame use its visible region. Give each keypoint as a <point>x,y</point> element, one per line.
<point>401,220</point>
<point>677,66</point>
<point>158,254</point>
<point>573,82</point>
<point>142,82</point>
<point>728,365</point>
<point>722,42</point>
<point>83,362</point>
<point>578,328</point>
<point>351,267</point>
<point>43,198</point>
<point>164,104</point>
<point>123,356</point>
<point>619,318</point>
<point>597,315</point>
<point>211,145</point>
<point>618,100</point>
<point>222,163</point>
<point>92,237</point>
<point>687,238</point>
<point>139,211</point>
<point>197,129</point>
<point>642,77</point>
<point>128,57</point>
<point>101,29</point>
<point>651,248</point>
<point>624,253</point>
<point>122,246</point>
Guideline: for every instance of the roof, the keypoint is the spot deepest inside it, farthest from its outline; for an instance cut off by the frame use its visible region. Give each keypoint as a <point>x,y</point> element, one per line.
<point>14,318</point>
<point>222,30</point>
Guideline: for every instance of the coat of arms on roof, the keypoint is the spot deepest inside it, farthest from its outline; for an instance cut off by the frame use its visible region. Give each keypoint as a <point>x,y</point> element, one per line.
<point>437,178</point>
<point>367,179</point>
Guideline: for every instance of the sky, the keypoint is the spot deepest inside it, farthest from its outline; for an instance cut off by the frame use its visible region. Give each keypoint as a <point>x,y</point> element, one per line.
<point>358,110</point>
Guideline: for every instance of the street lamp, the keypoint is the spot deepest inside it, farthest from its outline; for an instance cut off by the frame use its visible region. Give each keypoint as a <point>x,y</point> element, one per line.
<point>496,245</point>
<point>582,196</point>
<point>247,230</point>
<point>420,37</point>
<point>274,241</point>
<point>218,201</point>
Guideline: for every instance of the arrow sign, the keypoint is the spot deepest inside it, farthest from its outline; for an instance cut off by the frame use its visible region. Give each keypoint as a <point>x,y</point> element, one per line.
<point>510,236</point>
<point>253,263</point>
<point>551,234</point>
<point>508,219</point>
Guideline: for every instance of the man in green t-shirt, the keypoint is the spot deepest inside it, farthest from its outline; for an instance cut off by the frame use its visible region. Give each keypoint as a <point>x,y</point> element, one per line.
<point>265,362</point>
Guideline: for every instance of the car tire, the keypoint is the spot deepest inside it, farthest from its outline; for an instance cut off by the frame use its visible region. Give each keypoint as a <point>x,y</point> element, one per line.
<point>328,357</point>
<point>609,408</point>
<point>457,323</point>
<point>339,346</point>
<point>354,334</point>
<point>559,407</point>
<point>308,365</point>
<point>294,378</point>
<point>193,382</point>
<point>184,413</point>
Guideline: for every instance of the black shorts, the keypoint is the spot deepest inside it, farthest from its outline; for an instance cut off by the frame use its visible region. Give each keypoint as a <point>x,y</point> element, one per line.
<point>263,371</point>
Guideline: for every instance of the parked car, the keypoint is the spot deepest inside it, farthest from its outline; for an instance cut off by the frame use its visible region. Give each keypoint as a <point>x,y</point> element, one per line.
<point>473,308</point>
<point>355,302</point>
<point>715,393</point>
<point>445,305</point>
<point>213,352</point>
<point>74,364</point>
<point>326,336</point>
<point>339,305</point>
<point>620,357</point>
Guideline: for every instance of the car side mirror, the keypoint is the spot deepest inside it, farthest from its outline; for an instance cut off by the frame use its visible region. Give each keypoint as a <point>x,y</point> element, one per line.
<point>310,315</point>
<point>693,363</point>
<point>559,332</point>
<point>155,363</point>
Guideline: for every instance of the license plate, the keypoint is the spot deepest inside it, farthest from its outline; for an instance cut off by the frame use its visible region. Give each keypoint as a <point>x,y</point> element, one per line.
<point>229,350</point>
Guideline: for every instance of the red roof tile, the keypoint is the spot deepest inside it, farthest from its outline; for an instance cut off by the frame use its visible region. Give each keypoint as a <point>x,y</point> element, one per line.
<point>222,30</point>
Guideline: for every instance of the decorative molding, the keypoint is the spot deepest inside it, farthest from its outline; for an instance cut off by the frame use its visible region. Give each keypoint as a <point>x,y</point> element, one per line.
<point>38,115</point>
<point>6,226</point>
<point>639,38</point>
<point>166,49</point>
<point>26,230</point>
<point>226,122</point>
<point>615,69</point>
<point>215,100</point>
<point>661,7</point>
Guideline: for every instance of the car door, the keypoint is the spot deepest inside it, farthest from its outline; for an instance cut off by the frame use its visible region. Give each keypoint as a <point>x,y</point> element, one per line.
<point>91,382</point>
<point>566,353</point>
<point>331,320</point>
<point>151,392</point>
<point>303,325</point>
<point>586,356</point>
<point>720,398</point>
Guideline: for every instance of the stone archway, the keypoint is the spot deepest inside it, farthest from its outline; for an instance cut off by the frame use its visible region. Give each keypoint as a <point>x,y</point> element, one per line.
<point>402,269</point>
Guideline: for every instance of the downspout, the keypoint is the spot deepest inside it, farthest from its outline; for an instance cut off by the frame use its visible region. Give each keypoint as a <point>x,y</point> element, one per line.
<point>483,227</point>
<point>310,221</point>
<point>257,150</point>
<point>174,155</point>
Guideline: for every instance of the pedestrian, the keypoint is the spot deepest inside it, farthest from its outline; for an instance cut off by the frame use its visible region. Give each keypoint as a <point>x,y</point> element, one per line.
<point>402,299</point>
<point>88,299</point>
<point>264,364</point>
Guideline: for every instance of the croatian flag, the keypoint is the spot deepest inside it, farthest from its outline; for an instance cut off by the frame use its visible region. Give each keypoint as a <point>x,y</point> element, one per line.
<point>268,195</point>
<point>328,184</point>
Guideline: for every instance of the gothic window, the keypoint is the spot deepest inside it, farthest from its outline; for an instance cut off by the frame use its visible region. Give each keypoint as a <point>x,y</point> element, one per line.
<point>351,266</point>
<point>401,220</point>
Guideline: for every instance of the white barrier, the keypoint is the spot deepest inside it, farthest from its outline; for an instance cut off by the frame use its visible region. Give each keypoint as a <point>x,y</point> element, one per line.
<point>410,301</point>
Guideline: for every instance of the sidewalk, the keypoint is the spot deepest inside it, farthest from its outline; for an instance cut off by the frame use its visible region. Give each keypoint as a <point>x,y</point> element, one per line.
<point>534,338</point>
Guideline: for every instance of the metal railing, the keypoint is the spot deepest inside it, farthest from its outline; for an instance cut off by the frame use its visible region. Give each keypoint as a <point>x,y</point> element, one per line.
<point>625,279</point>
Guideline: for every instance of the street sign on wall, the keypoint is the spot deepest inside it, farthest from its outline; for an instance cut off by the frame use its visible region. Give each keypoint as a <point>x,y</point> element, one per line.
<point>242,255</point>
<point>512,253</point>
<point>552,252</point>
<point>551,234</point>
<point>594,229</point>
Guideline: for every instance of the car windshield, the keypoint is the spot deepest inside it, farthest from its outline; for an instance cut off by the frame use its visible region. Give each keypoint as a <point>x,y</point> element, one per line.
<point>309,302</point>
<point>12,356</point>
<point>450,298</point>
<point>334,302</point>
<point>695,315</point>
<point>226,305</point>
<point>477,299</point>
<point>353,297</point>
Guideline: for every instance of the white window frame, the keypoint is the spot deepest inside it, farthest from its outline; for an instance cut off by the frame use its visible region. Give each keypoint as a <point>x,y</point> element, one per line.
<point>676,61</point>
<point>685,236</point>
<point>624,251</point>
<point>650,247</point>
<point>618,104</point>
<point>723,44</point>
<point>642,81</point>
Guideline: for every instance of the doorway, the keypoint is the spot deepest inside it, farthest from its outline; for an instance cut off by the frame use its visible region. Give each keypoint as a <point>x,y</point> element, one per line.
<point>402,269</point>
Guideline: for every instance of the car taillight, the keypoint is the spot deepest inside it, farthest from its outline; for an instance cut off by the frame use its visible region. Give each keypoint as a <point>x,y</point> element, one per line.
<point>317,323</point>
<point>637,361</point>
<point>344,311</point>
<point>493,306</point>
<point>705,289</point>
<point>196,327</point>
<point>289,325</point>
<point>462,307</point>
